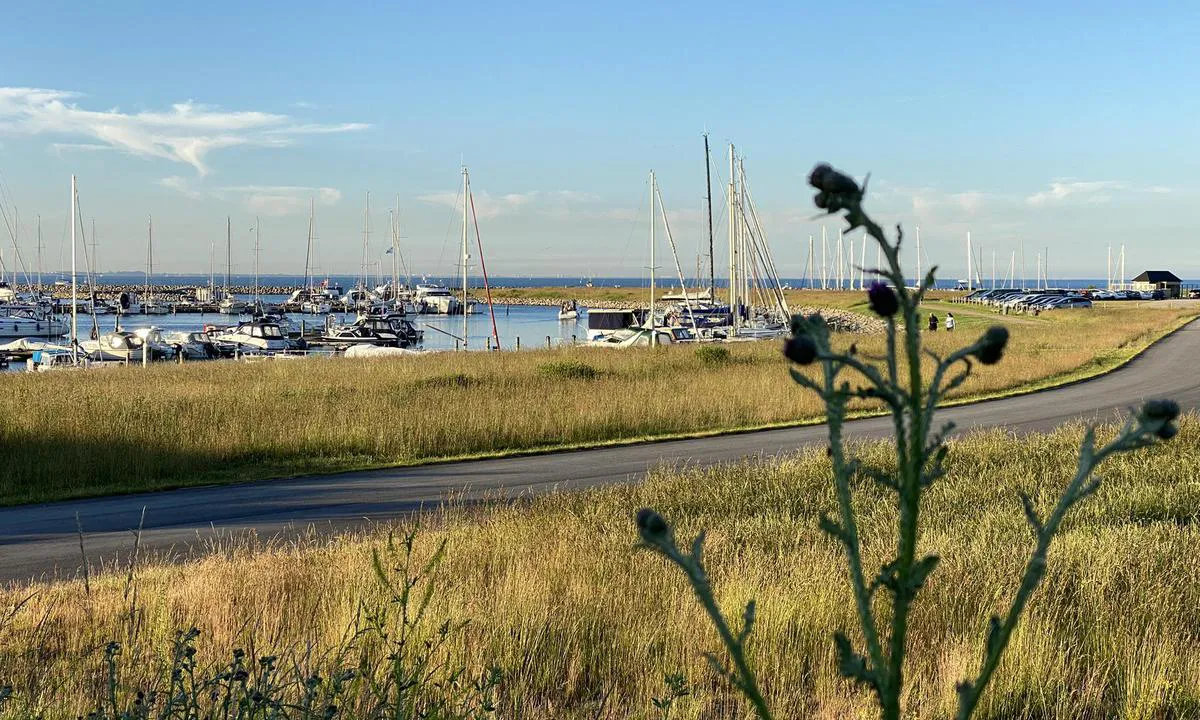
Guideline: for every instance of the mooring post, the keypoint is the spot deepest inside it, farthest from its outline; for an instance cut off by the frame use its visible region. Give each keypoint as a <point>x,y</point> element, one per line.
<point>146,353</point>
<point>518,342</point>
<point>547,342</point>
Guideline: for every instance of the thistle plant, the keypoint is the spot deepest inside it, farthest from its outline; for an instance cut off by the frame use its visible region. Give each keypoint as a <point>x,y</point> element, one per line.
<point>884,599</point>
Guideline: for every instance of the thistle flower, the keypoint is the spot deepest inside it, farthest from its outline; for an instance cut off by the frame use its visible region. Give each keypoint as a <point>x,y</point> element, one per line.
<point>1163,413</point>
<point>991,347</point>
<point>651,525</point>
<point>800,349</point>
<point>838,191</point>
<point>883,299</point>
<point>824,178</point>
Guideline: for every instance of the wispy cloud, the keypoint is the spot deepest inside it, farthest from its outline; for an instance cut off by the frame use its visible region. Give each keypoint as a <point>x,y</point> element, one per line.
<point>268,200</point>
<point>279,200</point>
<point>487,206</point>
<point>180,185</point>
<point>1091,191</point>
<point>186,133</point>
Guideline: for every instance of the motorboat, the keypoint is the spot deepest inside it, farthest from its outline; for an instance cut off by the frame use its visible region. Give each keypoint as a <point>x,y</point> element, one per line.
<point>435,300</point>
<point>641,337</point>
<point>286,325</point>
<point>569,310</point>
<point>603,323</point>
<point>233,306</point>
<point>155,307</point>
<point>311,301</point>
<point>256,335</point>
<point>192,345</point>
<point>126,346</point>
<point>367,330</point>
<point>27,323</point>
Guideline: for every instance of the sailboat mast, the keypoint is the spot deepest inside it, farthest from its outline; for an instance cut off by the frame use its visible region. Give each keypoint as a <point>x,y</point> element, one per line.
<point>256,246</point>
<point>920,277</point>
<point>733,254</point>
<point>824,260</point>
<point>74,285</point>
<point>308,251</point>
<point>149,252</point>
<point>366,234</point>
<point>466,207</point>
<point>969,282</point>
<point>212,269</point>
<point>228,252</point>
<point>39,252</point>
<point>712,259</point>
<point>653,337</point>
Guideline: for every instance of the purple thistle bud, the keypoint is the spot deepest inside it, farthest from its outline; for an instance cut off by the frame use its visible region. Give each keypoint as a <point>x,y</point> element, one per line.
<point>992,345</point>
<point>651,525</point>
<point>1163,412</point>
<point>825,178</point>
<point>883,299</point>
<point>800,350</point>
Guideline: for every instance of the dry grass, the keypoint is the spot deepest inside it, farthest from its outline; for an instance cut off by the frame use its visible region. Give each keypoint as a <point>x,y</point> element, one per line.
<point>558,598</point>
<point>79,434</point>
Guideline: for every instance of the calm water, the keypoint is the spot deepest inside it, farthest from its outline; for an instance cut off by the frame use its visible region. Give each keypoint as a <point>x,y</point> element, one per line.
<point>529,323</point>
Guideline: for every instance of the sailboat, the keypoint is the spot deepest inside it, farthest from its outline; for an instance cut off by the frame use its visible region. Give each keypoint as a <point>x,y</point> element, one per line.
<point>309,299</point>
<point>150,306</point>
<point>651,331</point>
<point>229,304</point>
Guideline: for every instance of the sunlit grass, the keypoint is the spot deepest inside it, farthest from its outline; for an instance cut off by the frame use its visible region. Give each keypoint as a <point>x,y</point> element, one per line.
<point>125,429</point>
<point>560,600</point>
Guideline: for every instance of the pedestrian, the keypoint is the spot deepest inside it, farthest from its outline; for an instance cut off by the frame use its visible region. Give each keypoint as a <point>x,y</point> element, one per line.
<point>932,322</point>
<point>949,322</point>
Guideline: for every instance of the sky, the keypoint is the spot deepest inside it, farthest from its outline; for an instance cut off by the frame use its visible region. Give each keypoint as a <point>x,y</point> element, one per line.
<point>1062,128</point>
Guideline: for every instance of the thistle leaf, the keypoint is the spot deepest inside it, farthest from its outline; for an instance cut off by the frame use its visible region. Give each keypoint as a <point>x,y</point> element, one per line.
<point>852,665</point>
<point>920,572</point>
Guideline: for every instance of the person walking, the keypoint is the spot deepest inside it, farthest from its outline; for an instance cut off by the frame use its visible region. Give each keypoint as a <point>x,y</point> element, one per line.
<point>933,322</point>
<point>949,322</point>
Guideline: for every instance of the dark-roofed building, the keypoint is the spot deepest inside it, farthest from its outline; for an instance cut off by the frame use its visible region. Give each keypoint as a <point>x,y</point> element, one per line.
<point>1164,280</point>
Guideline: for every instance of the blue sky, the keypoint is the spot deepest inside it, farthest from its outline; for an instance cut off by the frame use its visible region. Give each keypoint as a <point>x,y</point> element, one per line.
<point>1066,125</point>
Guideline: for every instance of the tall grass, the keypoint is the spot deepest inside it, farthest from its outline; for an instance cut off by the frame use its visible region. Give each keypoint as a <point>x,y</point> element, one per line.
<point>581,625</point>
<point>78,434</point>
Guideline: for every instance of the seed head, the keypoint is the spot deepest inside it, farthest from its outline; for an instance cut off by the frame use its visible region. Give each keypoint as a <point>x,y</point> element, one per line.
<point>883,299</point>
<point>800,350</point>
<point>651,525</point>
<point>992,345</point>
<point>826,179</point>
<point>1162,413</point>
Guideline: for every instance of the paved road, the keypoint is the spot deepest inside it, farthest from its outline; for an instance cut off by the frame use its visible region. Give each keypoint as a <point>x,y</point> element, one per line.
<point>42,540</point>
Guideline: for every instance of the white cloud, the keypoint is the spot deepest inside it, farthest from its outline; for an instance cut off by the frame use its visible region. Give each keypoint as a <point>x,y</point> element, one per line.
<point>180,185</point>
<point>186,133</point>
<point>1093,191</point>
<point>487,206</point>
<point>279,200</point>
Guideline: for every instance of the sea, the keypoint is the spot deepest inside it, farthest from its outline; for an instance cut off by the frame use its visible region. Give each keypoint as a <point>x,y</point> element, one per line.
<point>523,281</point>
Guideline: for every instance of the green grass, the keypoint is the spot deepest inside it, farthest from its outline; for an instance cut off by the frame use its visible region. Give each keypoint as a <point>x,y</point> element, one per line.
<point>583,625</point>
<point>68,435</point>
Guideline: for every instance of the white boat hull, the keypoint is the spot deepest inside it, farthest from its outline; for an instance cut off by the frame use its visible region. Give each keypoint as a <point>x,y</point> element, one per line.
<point>11,327</point>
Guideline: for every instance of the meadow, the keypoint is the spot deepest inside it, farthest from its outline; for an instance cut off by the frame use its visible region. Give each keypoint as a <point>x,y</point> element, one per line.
<point>548,609</point>
<point>67,435</point>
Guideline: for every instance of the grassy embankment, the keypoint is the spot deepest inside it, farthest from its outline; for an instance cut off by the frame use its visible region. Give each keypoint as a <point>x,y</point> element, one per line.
<point>581,625</point>
<point>127,429</point>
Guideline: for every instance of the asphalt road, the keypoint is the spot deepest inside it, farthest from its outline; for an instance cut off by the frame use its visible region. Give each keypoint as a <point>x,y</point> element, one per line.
<point>42,541</point>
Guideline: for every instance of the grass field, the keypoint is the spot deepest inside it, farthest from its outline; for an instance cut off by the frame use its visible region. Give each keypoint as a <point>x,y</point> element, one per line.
<point>583,625</point>
<point>126,429</point>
